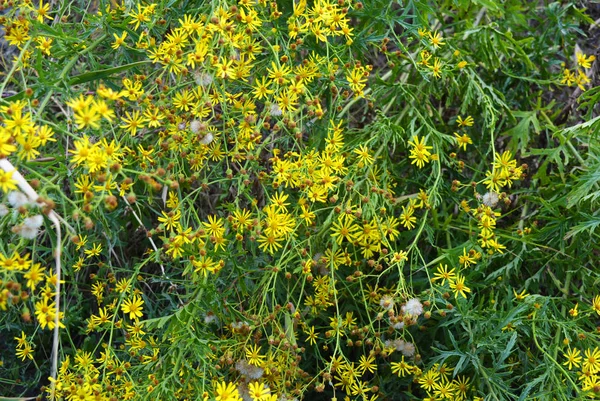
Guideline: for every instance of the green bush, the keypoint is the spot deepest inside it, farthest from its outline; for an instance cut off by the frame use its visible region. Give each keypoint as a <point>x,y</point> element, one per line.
<point>285,200</point>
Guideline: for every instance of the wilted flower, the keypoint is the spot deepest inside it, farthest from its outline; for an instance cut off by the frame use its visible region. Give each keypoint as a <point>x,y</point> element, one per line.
<point>208,138</point>
<point>413,307</point>
<point>490,199</point>
<point>386,302</point>
<point>29,228</point>
<point>17,199</point>
<point>274,110</point>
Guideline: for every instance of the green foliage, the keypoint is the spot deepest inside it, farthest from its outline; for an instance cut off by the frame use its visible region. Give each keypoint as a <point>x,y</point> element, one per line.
<point>299,200</point>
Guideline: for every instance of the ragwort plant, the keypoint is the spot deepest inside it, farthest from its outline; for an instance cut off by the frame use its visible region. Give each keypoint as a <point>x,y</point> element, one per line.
<point>299,200</point>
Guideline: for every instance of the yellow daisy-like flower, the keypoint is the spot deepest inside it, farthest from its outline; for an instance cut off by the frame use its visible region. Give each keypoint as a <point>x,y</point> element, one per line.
<point>573,357</point>
<point>133,306</point>
<point>364,156</point>
<point>258,391</point>
<point>458,286</point>
<point>227,392</point>
<point>436,39</point>
<point>463,140</point>
<point>119,40</point>
<point>591,362</point>
<point>254,356</point>
<point>7,183</point>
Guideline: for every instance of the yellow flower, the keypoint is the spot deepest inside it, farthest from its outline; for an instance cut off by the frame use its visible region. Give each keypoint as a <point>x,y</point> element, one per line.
<point>42,12</point>
<point>357,78</point>
<point>401,368</point>
<point>364,156</point>
<point>258,391</point>
<point>312,336</point>
<point>140,16</point>
<point>494,180</point>
<point>591,362</point>
<point>581,80</point>
<point>583,61</point>
<point>6,146</point>
<point>467,259</point>
<point>34,275</point>
<point>254,356</point>
<point>18,123</point>
<point>419,151</point>
<point>400,257</point>
<point>344,229</point>
<point>133,306</point>
<point>436,40</point>
<point>406,217</point>
<point>227,392</point>
<point>224,68</point>
<point>520,296</point>
<point>574,312</point>
<point>458,286</point>
<point>171,219</point>
<point>87,117</point>
<point>25,352</point>
<point>21,341</point>
<point>18,36</point>
<point>429,380</point>
<point>133,122</point>
<point>261,89</point>
<point>367,364</point>
<point>425,56</point>
<point>596,304</point>
<point>269,243</point>
<point>443,274</point>
<point>467,122</point>
<point>119,40</point>
<point>7,183</point>
<point>242,220</point>
<point>463,140</point>
<point>279,200</point>
<point>45,135</point>
<point>436,68</point>
<point>205,265</point>
<point>95,251</point>
<point>568,78</point>
<point>214,227</point>
<point>44,44</point>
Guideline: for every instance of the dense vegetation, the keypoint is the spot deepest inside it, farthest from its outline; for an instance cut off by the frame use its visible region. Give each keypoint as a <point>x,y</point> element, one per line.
<point>308,199</point>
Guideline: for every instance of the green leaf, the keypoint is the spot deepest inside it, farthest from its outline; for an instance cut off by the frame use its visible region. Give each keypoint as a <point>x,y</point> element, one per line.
<point>589,225</point>
<point>520,134</point>
<point>508,350</point>
<point>100,74</point>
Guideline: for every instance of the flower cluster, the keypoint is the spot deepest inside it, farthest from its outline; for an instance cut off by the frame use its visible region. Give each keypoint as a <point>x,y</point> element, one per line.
<point>579,77</point>
<point>279,201</point>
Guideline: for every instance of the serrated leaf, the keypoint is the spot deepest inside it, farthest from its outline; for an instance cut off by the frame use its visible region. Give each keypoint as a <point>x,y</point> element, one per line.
<point>589,225</point>
<point>521,134</point>
<point>530,387</point>
<point>586,188</point>
<point>508,350</point>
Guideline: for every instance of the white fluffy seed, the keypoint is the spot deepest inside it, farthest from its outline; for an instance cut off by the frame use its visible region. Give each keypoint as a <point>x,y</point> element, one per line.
<point>17,199</point>
<point>413,307</point>
<point>274,110</point>
<point>208,138</point>
<point>490,199</point>
<point>195,126</point>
